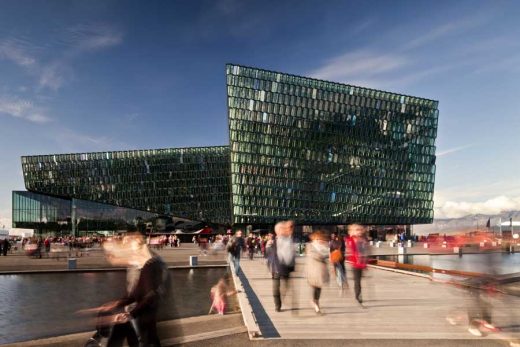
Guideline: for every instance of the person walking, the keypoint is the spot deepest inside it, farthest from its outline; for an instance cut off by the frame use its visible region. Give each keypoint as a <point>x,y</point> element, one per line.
<point>6,246</point>
<point>147,284</point>
<point>337,259</point>
<point>251,246</point>
<point>357,247</point>
<point>281,259</point>
<point>234,248</point>
<point>317,252</point>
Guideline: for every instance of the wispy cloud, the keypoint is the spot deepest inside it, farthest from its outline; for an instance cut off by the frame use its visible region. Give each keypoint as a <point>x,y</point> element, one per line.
<point>12,52</point>
<point>351,66</point>
<point>443,30</point>
<point>53,64</point>
<point>93,37</point>
<point>54,75</point>
<point>72,140</point>
<point>22,108</point>
<point>453,150</point>
<point>403,64</point>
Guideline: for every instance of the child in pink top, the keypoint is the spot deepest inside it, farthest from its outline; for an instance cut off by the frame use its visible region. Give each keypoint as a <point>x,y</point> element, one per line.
<point>219,294</point>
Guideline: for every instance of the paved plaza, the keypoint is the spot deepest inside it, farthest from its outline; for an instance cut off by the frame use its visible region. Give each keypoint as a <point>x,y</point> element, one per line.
<point>400,309</point>
<point>95,259</point>
<point>396,306</point>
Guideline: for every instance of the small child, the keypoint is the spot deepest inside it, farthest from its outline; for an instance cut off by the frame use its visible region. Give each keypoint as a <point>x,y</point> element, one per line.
<point>219,293</point>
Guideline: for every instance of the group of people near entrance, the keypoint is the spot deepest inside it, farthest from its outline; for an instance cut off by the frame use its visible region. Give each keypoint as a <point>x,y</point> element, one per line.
<point>321,251</point>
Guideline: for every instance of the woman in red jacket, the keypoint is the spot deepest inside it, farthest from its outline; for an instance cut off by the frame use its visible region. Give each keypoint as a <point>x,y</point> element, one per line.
<point>356,246</point>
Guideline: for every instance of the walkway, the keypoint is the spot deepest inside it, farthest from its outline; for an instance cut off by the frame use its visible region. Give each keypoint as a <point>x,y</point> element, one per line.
<point>397,306</point>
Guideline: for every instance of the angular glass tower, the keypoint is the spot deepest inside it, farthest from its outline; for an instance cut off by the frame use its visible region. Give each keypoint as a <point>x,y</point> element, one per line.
<point>328,153</point>
<point>300,148</point>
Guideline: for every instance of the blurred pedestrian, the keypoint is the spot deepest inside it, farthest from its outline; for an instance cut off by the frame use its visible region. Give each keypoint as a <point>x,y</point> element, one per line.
<point>317,252</point>
<point>251,246</point>
<point>219,294</point>
<point>357,249</point>
<point>234,248</point>
<point>281,259</point>
<point>337,259</point>
<point>6,246</point>
<point>147,284</point>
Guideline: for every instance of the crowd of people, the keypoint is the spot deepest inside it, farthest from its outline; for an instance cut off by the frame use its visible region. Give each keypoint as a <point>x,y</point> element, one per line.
<point>133,317</point>
<point>324,253</point>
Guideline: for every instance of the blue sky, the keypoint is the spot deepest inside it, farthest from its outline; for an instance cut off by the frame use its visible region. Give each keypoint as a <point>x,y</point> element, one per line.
<point>81,76</point>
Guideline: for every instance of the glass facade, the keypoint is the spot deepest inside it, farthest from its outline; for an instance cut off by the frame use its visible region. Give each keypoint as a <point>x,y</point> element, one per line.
<point>52,214</point>
<point>328,153</point>
<point>314,151</point>
<point>191,183</point>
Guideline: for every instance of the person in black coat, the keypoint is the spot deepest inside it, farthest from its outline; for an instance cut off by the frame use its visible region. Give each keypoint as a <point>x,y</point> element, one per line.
<point>6,246</point>
<point>281,259</point>
<point>147,283</point>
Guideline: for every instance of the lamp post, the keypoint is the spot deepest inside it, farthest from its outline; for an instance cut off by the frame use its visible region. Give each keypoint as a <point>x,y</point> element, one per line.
<point>73,219</point>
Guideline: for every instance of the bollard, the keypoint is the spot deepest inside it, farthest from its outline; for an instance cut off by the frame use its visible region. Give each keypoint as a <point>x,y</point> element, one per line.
<point>371,243</point>
<point>401,250</point>
<point>457,250</point>
<point>378,244</point>
<point>425,245</point>
<point>494,244</point>
<point>194,260</point>
<point>391,244</point>
<point>410,244</point>
<point>71,263</point>
<point>483,244</point>
<point>511,249</point>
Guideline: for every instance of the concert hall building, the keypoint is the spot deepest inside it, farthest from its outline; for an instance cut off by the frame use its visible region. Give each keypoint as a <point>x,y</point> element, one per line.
<point>317,152</point>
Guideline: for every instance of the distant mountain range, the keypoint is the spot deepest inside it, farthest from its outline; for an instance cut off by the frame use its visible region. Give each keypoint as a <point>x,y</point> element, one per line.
<point>469,223</point>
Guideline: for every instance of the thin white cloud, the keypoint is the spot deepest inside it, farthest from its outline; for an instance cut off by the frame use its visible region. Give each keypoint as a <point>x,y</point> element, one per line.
<point>54,76</point>
<point>52,63</point>
<point>11,52</point>
<point>93,37</point>
<point>359,64</point>
<point>77,41</point>
<point>23,109</point>
<point>457,209</point>
<point>72,140</point>
<point>453,150</point>
<point>400,67</point>
<point>446,29</point>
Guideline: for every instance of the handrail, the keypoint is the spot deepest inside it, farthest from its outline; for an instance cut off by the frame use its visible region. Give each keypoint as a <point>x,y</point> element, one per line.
<point>423,268</point>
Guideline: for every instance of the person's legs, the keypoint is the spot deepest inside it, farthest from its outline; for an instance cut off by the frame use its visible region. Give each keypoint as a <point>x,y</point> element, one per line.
<point>340,275</point>
<point>236,262</point>
<point>316,294</point>
<point>120,332</point>
<point>357,284</point>
<point>147,327</point>
<point>276,292</point>
<point>344,272</point>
